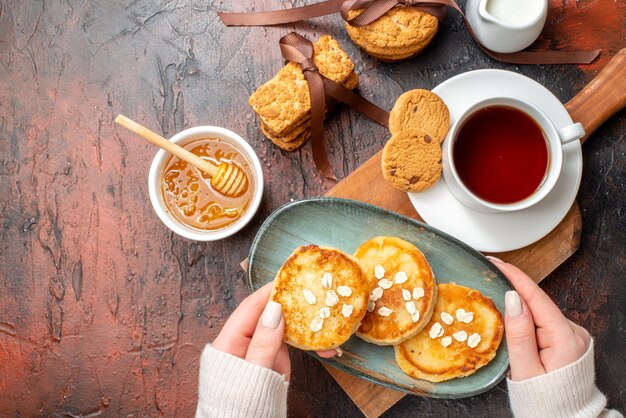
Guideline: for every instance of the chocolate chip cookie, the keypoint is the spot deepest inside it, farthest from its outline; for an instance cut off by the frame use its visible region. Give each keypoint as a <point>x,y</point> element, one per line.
<point>411,160</point>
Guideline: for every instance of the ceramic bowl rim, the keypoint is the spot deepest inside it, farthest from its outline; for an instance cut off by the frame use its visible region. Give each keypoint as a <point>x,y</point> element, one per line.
<point>156,169</point>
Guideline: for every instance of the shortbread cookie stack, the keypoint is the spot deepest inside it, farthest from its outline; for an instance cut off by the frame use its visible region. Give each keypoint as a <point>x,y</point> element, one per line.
<point>283,104</point>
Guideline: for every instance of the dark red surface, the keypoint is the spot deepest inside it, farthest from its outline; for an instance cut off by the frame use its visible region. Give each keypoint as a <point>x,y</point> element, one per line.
<point>104,311</point>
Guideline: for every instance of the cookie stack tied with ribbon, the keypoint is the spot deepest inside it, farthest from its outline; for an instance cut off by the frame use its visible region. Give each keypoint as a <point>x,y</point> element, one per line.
<point>419,122</point>
<point>399,34</point>
<point>283,104</point>
<point>293,104</point>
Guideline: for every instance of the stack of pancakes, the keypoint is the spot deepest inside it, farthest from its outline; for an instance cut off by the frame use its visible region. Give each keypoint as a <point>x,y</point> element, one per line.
<point>387,294</point>
<point>283,104</point>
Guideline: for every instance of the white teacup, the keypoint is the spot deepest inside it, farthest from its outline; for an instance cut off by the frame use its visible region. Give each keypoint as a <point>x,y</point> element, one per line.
<point>554,139</point>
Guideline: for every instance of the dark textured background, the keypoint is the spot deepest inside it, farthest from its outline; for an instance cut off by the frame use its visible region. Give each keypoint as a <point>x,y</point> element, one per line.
<point>105,311</point>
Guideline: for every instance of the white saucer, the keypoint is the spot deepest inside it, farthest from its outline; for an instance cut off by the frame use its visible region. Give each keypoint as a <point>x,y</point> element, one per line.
<point>500,232</point>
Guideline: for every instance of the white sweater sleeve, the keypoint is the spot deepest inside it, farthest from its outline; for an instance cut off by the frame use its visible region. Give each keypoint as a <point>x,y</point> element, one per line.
<point>232,387</point>
<point>569,392</point>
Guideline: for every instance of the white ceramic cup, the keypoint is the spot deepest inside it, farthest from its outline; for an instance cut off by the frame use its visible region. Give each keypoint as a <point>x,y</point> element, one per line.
<point>554,139</point>
<point>156,174</point>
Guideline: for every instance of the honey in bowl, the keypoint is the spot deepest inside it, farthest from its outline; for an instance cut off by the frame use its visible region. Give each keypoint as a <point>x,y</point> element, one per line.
<point>188,194</point>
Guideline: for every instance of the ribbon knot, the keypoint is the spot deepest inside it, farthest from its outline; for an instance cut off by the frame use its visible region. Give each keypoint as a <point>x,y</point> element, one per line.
<point>374,9</point>
<point>415,3</point>
<point>308,65</point>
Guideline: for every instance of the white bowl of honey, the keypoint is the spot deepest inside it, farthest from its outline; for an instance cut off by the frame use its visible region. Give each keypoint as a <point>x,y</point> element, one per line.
<point>185,200</point>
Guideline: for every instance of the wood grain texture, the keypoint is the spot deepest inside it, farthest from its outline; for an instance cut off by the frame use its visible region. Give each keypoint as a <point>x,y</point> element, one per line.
<point>603,97</point>
<point>103,311</point>
<point>373,400</point>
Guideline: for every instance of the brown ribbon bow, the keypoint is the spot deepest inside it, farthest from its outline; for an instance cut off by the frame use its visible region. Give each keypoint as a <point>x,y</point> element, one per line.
<point>298,49</point>
<point>374,9</point>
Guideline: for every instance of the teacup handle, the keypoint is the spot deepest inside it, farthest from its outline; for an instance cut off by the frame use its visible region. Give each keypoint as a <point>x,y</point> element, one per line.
<point>571,133</point>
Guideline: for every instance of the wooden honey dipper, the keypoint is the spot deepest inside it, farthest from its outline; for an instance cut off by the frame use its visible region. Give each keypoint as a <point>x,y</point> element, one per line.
<point>227,178</point>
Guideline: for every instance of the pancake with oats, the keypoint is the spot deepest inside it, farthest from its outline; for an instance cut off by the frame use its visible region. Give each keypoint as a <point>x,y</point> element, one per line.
<point>462,336</point>
<point>402,290</point>
<point>324,296</point>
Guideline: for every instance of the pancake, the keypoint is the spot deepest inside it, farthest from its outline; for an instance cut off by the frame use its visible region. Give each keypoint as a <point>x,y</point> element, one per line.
<point>402,269</point>
<point>433,359</point>
<point>324,296</point>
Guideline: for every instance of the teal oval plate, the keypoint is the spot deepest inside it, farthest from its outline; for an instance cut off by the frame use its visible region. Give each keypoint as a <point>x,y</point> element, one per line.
<point>346,224</point>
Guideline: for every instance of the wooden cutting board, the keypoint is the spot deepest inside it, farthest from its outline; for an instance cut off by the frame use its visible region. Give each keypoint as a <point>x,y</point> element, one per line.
<point>600,99</point>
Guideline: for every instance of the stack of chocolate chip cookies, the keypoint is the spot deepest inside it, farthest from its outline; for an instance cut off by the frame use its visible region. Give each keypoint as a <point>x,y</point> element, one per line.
<point>419,122</point>
<point>401,33</point>
<point>283,104</point>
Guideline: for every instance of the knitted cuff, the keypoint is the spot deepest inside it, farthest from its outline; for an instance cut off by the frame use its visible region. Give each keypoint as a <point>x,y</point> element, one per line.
<point>232,387</point>
<point>567,392</point>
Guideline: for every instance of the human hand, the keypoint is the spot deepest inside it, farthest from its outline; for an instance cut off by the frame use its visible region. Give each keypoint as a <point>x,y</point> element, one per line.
<point>255,331</point>
<point>539,337</point>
